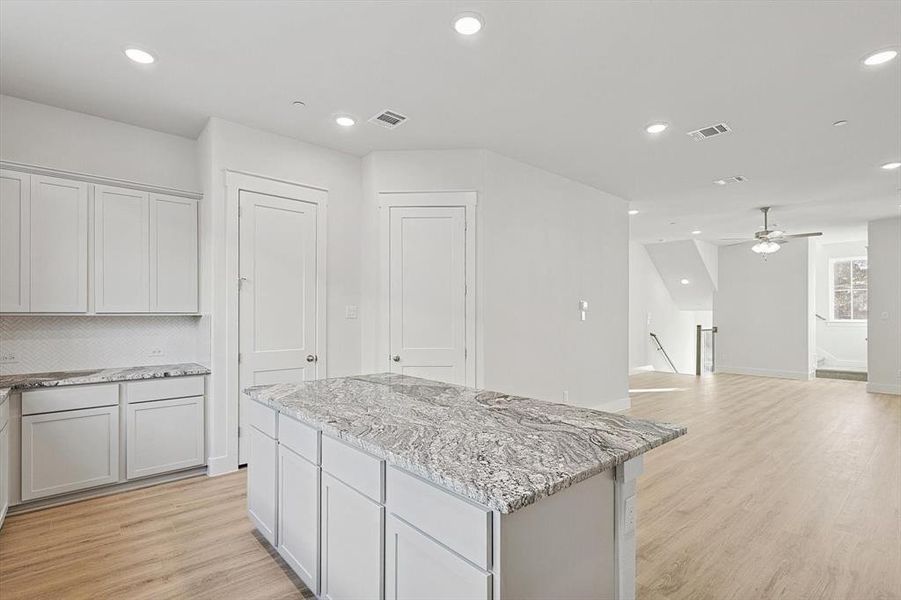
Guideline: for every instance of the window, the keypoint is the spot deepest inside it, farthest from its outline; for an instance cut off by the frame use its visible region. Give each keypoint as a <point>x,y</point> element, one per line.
<point>848,289</point>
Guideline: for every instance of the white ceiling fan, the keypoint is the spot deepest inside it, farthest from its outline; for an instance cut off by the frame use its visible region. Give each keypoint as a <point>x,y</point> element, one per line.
<point>771,240</point>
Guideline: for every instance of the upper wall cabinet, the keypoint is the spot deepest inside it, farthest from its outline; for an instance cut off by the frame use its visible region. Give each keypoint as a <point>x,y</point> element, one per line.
<point>144,248</point>
<point>121,250</point>
<point>44,231</point>
<point>173,254</point>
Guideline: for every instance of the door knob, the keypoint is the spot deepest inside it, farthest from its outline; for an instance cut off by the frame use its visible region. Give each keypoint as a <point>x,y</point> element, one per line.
<point>312,358</point>
<point>396,358</point>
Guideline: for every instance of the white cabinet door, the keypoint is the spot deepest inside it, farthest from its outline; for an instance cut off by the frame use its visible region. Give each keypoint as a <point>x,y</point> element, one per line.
<point>298,517</point>
<point>15,223</point>
<point>4,471</point>
<point>262,483</point>
<point>418,568</point>
<point>173,254</point>
<point>352,543</point>
<point>68,451</point>
<point>163,436</point>
<point>59,245</point>
<point>121,250</point>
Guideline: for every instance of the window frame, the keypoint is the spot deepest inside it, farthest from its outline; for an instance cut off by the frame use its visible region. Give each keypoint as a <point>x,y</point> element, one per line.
<point>832,261</point>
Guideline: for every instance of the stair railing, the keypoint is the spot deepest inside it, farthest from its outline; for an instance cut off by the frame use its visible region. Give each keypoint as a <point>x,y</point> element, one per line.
<point>665,355</point>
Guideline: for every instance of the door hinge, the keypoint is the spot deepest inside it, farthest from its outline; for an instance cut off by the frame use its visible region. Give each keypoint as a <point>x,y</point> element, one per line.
<point>240,357</point>
<point>239,212</point>
<point>239,431</point>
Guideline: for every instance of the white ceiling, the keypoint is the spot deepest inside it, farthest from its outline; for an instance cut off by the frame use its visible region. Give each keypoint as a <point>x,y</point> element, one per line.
<point>567,86</point>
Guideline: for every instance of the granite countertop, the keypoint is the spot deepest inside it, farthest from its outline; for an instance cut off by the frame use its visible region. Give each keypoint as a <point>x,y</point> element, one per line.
<point>62,378</point>
<point>501,451</point>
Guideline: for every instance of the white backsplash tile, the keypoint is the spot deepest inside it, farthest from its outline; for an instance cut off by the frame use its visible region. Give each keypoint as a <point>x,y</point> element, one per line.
<point>90,342</point>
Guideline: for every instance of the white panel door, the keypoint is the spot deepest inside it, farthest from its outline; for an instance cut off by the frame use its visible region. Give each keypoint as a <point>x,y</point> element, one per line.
<point>262,483</point>
<point>163,436</point>
<point>173,254</point>
<point>15,207</point>
<point>352,543</point>
<point>427,296</point>
<point>69,451</point>
<point>59,245</point>
<point>418,568</point>
<point>277,266</point>
<point>298,518</point>
<point>121,250</point>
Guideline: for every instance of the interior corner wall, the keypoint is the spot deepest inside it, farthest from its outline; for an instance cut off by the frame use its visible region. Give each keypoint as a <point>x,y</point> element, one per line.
<point>884,304</point>
<point>543,243</point>
<point>652,309</point>
<point>228,146</point>
<point>763,310</point>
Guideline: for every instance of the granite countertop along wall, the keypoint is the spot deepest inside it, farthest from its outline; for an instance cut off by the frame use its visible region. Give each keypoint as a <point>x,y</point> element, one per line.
<point>63,378</point>
<point>501,451</point>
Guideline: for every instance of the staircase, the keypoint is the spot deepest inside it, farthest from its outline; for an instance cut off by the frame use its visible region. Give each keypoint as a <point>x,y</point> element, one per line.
<point>842,374</point>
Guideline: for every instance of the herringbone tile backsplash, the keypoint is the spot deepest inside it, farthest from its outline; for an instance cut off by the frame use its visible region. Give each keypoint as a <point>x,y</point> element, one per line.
<point>88,342</point>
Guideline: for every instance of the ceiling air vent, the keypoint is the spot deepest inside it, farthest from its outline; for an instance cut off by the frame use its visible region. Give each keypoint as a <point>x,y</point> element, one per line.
<point>733,179</point>
<point>710,131</point>
<point>388,119</point>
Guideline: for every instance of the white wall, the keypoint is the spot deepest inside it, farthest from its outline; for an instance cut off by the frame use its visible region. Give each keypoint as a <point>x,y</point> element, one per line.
<point>228,146</point>
<point>652,309</point>
<point>543,243</point>
<point>839,345</point>
<point>764,311</point>
<point>45,136</point>
<point>884,296</point>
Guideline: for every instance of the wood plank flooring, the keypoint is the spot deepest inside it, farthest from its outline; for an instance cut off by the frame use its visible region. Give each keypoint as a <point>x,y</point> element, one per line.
<point>781,489</point>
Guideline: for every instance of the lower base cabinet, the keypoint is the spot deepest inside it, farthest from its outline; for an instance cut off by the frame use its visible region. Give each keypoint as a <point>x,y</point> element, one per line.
<point>262,483</point>
<point>4,465</point>
<point>164,436</point>
<point>69,451</point>
<point>298,518</point>
<point>419,568</point>
<point>352,543</point>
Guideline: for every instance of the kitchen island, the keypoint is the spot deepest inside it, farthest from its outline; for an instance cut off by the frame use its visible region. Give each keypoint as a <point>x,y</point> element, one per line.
<point>393,486</point>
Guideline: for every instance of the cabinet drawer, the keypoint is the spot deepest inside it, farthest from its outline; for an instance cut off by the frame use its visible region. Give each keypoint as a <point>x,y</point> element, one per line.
<point>299,437</point>
<point>361,471</point>
<point>461,525</point>
<point>164,388</point>
<point>46,400</point>
<point>262,417</point>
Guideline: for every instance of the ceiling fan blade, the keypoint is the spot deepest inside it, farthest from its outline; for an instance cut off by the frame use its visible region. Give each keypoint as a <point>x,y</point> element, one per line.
<point>803,235</point>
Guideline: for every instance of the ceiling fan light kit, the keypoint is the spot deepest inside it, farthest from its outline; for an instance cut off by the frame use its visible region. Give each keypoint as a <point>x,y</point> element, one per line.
<point>765,247</point>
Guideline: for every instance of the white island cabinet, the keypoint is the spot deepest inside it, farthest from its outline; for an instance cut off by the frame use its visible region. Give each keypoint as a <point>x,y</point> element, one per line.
<point>432,508</point>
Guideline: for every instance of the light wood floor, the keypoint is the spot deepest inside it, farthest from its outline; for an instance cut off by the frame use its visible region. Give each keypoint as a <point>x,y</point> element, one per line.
<point>781,489</point>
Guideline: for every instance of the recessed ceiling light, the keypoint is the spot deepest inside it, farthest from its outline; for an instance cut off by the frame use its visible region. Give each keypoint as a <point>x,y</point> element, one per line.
<point>720,182</point>
<point>140,56</point>
<point>633,212</point>
<point>656,127</point>
<point>891,166</point>
<point>684,281</point>
<point>468,23</point>
<point>298,104</point>
<point>881,57</point>
<point>345,121</point>
<point>841,123</point>
<point>696,232</point>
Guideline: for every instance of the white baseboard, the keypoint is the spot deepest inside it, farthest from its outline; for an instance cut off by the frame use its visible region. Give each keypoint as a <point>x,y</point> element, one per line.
<point>220,465</point>
<point>608,406</point>
<point>884,388</point>
<point>801,375</point>
<point>641,369</point>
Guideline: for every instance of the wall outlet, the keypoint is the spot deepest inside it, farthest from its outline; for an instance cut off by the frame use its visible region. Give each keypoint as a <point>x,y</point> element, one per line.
<point>8,358</point>
<point>156,353</point>
<point>629,514</point>
<point>565,396</point>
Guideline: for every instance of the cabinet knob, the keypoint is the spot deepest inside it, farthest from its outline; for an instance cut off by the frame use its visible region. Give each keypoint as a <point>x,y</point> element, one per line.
<point>396,358</point>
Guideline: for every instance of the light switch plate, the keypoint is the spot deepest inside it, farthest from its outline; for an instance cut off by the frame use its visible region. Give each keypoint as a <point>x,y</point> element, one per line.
<point>8,358</point>
<point>629,514</point>
<point>350,311</point>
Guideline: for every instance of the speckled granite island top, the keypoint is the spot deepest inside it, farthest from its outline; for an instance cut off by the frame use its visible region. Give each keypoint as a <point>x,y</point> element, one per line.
<point>499,450</point>
<point>62,378</point>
